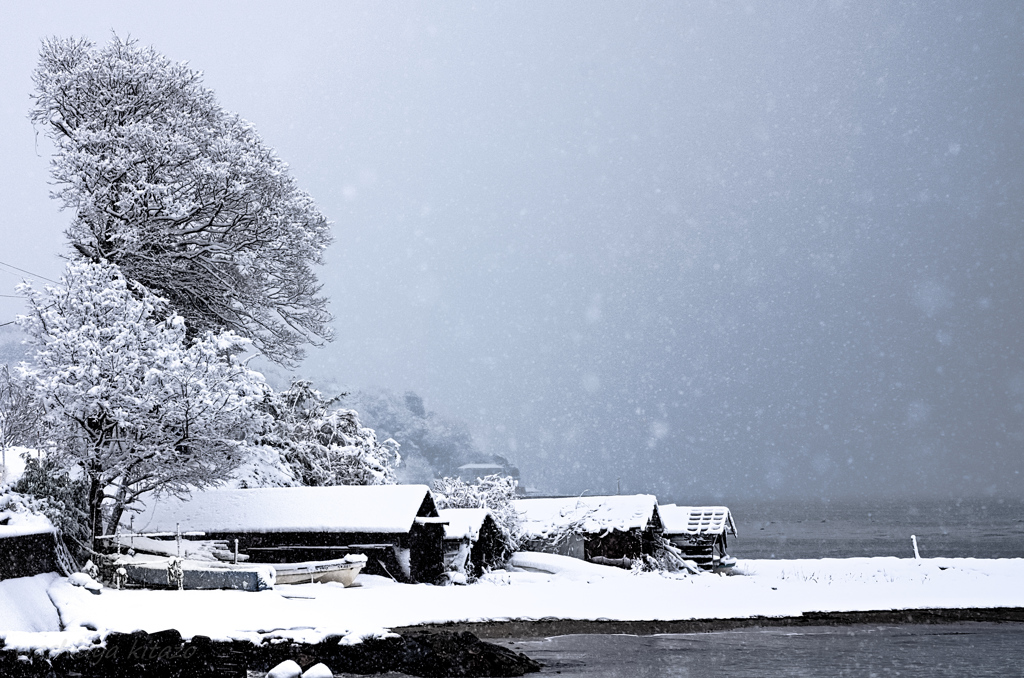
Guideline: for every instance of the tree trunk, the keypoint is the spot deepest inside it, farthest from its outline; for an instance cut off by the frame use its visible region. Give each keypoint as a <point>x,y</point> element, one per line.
<point>95,509</point>
<point>117,510</point>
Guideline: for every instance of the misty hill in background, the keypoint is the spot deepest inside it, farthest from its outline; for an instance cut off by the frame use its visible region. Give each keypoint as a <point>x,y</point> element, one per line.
<point>431,445</point>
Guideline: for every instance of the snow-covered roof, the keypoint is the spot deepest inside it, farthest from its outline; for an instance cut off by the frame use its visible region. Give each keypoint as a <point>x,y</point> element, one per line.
<point>696,519</point>
<point>343,508</point>
<point>541,517</point>
<point>463,522</point>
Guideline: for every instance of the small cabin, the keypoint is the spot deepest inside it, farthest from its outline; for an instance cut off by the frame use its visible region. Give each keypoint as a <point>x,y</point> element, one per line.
<point>473,543</point>
<point>700,532</point>
<point>396,526</point>
<point>600,529</point>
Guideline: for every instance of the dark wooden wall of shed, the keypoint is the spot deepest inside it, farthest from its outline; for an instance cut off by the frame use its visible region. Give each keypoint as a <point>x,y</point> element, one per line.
<point>618,544</point>
<point>488,551</point>
<point>615,544</point>
<point>27,555</point>
<point>297,547</point>
<point>280,547</point>
<point>426,557</point>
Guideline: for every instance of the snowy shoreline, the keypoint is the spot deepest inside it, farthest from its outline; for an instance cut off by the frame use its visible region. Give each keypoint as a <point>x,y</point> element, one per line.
<point>547,628</point>
<point>569,595</point>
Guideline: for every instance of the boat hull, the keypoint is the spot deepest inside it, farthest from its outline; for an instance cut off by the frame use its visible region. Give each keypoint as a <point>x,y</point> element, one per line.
<point>318,572</point>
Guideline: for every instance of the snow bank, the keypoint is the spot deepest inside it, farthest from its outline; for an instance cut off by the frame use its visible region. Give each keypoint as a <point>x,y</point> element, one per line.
<point>563,567</point>
<point>24,605</point>
<point>541,517</point>
<point>342,508</point>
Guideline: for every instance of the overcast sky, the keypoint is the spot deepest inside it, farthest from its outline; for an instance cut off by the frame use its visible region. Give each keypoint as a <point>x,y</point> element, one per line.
<point>707,251</point>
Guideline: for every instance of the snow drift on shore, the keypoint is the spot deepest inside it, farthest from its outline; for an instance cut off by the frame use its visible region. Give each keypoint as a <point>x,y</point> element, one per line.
<point>555,587</point>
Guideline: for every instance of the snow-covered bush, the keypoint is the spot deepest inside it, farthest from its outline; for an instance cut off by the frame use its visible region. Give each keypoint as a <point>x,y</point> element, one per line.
<point>130,404</point>
<point>61,498</point>
<point>493,492</point>
<point>324,446</point>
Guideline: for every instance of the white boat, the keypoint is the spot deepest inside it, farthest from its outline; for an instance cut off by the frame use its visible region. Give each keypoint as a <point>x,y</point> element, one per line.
<point>340,570</point>
<point>149,570</point>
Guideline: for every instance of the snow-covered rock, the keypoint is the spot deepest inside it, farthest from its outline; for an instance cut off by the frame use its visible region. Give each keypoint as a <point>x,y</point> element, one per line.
<point>286,669</point>
<point>318,671</point>
<point>86,582</point>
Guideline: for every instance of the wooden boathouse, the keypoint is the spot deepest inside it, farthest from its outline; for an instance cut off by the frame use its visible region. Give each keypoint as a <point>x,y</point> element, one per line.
<point>700,532</point>
<point>600,529</point>
<point>396,526</point>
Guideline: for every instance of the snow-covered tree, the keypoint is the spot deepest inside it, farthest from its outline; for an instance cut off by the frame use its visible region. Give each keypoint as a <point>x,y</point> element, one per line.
<point>325,446</point>
<point>19,413</point>
<point>183,196</point>
<point>493,492</point>
<point>131,404</point>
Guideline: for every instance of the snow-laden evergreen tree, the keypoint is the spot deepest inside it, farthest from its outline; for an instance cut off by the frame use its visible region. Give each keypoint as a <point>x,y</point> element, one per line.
<point>325,446</point>
<point>131,404</point>
<point>183,196</point>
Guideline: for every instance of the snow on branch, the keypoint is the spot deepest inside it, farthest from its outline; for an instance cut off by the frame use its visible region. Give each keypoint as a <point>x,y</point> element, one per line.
<point>183,196</point>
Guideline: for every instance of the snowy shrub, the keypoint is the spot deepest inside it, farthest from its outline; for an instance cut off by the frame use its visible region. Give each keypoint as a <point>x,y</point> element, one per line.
<point>493,492</point>
<point>130,404</point>
<point>57,496</point>
<point>325,447</point>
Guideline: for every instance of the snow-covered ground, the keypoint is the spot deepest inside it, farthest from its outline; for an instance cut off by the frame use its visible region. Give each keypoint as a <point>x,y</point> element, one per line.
<point>552,587</point>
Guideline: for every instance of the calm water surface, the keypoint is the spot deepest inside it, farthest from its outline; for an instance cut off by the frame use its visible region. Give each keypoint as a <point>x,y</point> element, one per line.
<point>910,650</point>
<point>817,529</point>
<point>970,649</point>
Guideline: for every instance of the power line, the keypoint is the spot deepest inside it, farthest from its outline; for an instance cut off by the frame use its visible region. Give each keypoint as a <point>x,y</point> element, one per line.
<point>4,263</point>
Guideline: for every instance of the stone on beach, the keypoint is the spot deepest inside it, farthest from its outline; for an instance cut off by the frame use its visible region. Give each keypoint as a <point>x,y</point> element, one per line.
<point>286,669</point>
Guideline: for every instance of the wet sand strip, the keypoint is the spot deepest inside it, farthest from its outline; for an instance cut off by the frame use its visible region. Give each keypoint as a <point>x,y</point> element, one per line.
<point>541,628</point>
